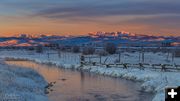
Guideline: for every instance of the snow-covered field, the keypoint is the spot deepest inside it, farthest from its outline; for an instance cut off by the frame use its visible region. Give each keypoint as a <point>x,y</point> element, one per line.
<point>20,84</point>
<point>153,81</point>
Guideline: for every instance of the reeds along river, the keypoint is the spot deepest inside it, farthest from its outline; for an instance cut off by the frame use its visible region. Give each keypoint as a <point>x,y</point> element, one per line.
<point>71,85</point>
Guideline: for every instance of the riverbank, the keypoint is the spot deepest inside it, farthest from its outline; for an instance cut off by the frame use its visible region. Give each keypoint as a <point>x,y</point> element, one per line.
<point>20,84</point>
<point>153,81</point>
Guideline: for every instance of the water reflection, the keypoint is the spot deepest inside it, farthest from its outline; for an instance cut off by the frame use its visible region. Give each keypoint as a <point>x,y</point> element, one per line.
<point>82,86</point>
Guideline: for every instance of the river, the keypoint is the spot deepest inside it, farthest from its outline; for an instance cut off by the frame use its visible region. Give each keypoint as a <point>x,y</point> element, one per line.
<point>72,85</point>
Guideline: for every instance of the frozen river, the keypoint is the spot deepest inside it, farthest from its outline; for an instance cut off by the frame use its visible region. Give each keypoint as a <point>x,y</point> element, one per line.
<point>72,85</point>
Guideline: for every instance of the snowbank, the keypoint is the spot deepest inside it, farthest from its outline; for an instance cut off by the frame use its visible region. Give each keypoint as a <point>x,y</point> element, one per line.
<point>20,84</point>
<point>153,81</point>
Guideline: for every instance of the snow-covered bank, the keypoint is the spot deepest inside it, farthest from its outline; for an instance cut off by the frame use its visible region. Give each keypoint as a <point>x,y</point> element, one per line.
<point>20,84</point>
<point>153,81</point>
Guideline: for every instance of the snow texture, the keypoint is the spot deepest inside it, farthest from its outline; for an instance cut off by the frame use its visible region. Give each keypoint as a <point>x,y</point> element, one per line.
<point>20,84</point>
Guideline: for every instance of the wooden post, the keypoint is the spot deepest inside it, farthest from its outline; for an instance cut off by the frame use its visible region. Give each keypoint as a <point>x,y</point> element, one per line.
<point>89,59</point>
<point>59,53</point>
<point>139,56</point>
<point>48,55</point>
<point>142,55</point>
<point>82,60</point>
<point>173,56</point>
<point>141,66</point>
<point>168,55</point>
<point>163,67</point>
<point>100,59</point>
<point>124,66</point>
<point>119,57</point>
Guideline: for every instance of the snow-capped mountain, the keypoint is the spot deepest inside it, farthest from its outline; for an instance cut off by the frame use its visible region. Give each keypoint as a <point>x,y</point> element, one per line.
<point>97,39</point>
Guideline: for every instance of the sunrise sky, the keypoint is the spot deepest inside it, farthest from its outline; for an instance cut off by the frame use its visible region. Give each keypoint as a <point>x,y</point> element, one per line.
<point>77,17</point>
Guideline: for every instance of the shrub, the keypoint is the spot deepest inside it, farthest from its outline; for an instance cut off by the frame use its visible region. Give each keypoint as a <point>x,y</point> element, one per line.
<point>102,53</point>
<point>76,49</point>
<point>110,48</point>
<point>31,49</point>
<point>39,49</point>
<point>177,53</point>
<point>88,50</point>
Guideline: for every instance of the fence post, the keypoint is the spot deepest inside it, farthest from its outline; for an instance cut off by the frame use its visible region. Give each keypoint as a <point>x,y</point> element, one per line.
<point>168,55</point>
<point>100,59</point>
<point>48,55</point>
<point>59,53</point>
<point>119,57</point>
<point>142,55</point>
<point>82,60</point>
<point>139,56</point>
<point>173,56</point>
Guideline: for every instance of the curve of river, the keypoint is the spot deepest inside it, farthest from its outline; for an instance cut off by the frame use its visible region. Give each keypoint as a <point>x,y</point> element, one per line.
<point>74,85</point>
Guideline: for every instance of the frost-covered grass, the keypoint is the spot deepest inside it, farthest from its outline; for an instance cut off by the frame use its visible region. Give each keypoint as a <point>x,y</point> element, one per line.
<point>20,84</point>
<point>153,81</point>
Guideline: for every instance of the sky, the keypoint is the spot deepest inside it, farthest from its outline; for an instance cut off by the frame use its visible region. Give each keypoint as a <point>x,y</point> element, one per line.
<point>78,17</point>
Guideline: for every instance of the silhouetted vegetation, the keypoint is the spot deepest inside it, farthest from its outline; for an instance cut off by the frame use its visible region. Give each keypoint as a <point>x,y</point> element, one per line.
<point>76,49</point>
<point>88,50</point>
<point>39,49</point>
<point>110,48</point>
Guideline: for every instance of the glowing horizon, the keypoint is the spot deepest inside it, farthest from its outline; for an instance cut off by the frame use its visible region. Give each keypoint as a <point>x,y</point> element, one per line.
<point>83,16</point>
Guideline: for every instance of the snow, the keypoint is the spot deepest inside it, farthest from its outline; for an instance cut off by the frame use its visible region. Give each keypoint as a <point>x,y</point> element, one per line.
<point>21,84</point>
<point>152,81</point>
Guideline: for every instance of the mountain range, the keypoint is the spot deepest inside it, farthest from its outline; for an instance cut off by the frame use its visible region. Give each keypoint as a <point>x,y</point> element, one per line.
<point>98,38</point>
